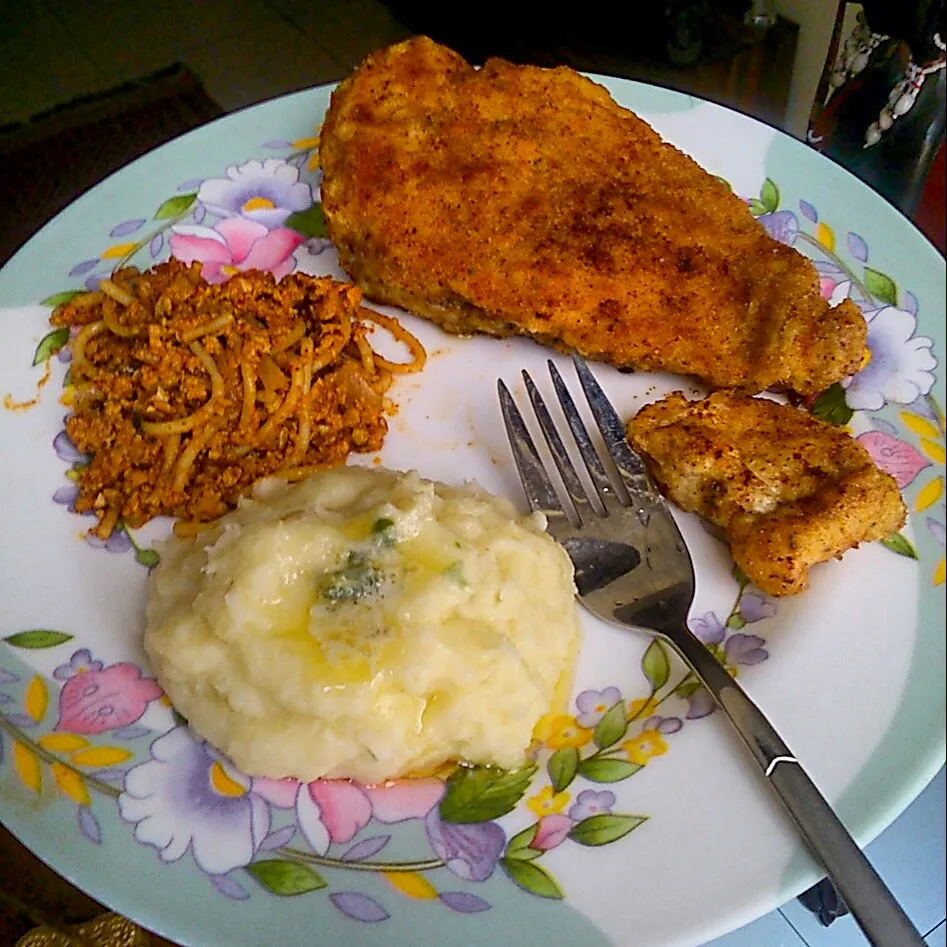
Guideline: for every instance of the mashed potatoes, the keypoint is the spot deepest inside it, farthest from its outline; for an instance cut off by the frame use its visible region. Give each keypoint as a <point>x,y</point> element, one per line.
<point>364,624</point>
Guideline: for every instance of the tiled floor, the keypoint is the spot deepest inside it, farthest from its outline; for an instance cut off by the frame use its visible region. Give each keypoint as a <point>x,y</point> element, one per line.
<point>245,51</point>
<point>909,856</point>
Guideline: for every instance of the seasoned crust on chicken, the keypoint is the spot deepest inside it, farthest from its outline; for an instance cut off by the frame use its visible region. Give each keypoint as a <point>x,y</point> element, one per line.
<point>514,200</point>
<point>788,489</point>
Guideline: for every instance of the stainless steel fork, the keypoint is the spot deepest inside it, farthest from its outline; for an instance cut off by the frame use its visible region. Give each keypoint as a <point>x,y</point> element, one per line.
<point>633,568</point>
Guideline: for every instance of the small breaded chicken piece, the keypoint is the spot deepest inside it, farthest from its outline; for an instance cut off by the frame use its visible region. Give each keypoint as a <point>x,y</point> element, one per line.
<point>788,489</point>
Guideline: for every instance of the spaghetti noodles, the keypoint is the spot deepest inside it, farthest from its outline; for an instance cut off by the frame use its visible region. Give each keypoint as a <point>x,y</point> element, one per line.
<point>184,394</point>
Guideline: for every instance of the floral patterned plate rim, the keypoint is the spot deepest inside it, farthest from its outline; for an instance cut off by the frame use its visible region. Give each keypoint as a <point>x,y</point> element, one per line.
<point>637,819</point>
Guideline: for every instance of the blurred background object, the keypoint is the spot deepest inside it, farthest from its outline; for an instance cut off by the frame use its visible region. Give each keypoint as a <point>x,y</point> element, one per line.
<point>725,50</point>
<point>880,107</point>
<point>93,136</point>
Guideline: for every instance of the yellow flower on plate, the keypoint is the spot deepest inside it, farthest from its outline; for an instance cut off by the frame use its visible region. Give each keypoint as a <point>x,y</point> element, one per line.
<point>312,146</point>
<point>645,746</point>
<point>118,251</point>
<point>642,708</point>
<point>561,730</point>
<point>306,144</point>
<point>547,802</point>
<point>411,884</point>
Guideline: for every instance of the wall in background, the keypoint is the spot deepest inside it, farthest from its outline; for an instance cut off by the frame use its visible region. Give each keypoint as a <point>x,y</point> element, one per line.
<point>816,19</point>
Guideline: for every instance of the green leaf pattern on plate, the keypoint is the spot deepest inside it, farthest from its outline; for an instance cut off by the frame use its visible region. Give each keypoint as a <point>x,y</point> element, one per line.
<point>483,793</point>
<point>284,877</point>
<point>37,638</point>
<point>532,878</point>
<point>50,344</point>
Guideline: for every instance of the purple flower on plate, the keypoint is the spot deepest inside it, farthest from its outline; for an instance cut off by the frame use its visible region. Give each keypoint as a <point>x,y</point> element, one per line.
<point>591,802</point>
<point>308,255</point>
<point>857,246</point>
<point>81,268</point>
<point>663,725</point>
<point>89,824</point>
<point>470,851</point>
<point>592,705</point>
<point>67,496</point>
<point>463,902</point>
<point>263,191</point>
<point>126,227</point>
<point>186,798</point>
<point>733,652</point>
<point>699,704</point>
<point>782,225</point>
<point>118,542</point>
<point>901,367</point>
<point>359,907</point>
<point>81,662</point>
<point>745,650</point>
<point>708,628</point>
<point>754,606</point>
<point>66,450</point>
<point>936,528</point>
<point>738,649</point>
<point>229,887</point>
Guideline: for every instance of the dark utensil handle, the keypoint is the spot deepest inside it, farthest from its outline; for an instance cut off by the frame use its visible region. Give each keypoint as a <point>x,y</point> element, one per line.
<point>870,901</point>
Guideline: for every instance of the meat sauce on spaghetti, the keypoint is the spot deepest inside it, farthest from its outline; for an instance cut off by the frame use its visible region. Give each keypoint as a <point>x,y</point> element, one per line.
<point>184,394</point>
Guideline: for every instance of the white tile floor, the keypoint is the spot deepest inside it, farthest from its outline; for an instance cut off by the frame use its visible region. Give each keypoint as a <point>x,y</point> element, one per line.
<point>245,51</point>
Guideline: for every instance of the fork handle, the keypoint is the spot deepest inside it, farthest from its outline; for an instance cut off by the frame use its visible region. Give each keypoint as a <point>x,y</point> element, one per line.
<point>870,901</point>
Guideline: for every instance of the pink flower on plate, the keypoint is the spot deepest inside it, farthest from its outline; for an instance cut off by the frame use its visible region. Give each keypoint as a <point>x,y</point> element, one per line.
<point>234,245</point>
<point>552,831</point>
<point>335,810</point>
<point>894,456</point>
<point>833,290</point>
<point>97,700</point>
<point>279,793</point>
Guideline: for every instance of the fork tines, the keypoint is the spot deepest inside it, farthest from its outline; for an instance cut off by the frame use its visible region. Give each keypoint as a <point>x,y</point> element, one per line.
<point>633,486</point>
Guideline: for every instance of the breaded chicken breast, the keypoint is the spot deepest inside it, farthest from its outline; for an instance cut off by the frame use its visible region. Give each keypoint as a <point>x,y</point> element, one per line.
<point>788,489</point>
<point>515,200</point>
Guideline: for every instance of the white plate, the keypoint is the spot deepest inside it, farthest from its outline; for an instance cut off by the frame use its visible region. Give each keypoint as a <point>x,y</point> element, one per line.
<point>96,779</point>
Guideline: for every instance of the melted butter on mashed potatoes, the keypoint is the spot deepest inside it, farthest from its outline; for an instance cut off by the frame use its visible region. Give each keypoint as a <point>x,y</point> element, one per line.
<point>364,624</point>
